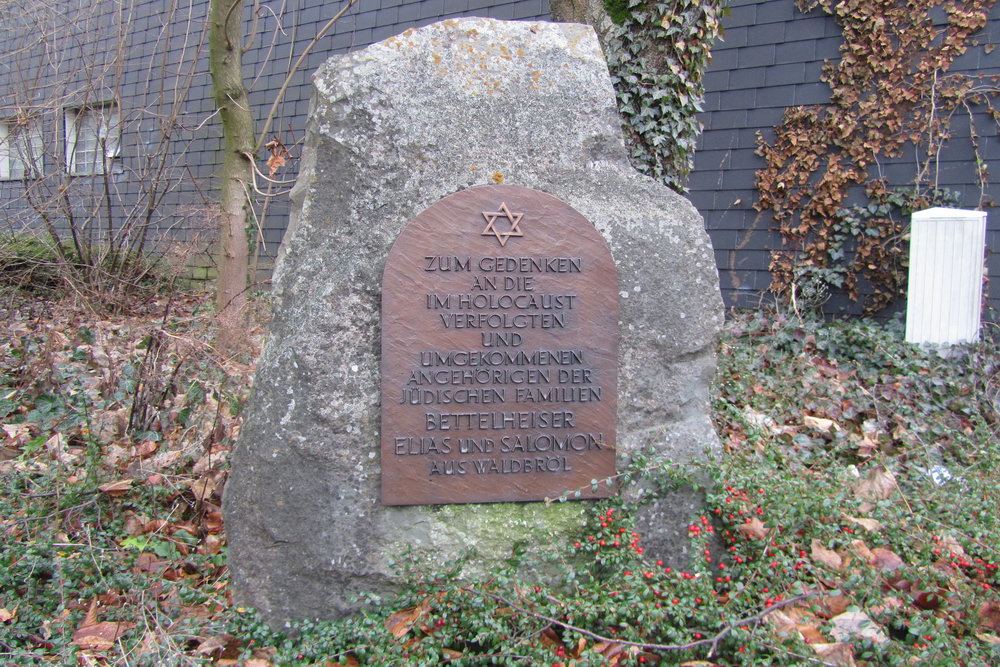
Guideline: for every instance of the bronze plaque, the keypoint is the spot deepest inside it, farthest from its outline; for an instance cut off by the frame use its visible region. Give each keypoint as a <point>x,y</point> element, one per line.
<point>499,352</point>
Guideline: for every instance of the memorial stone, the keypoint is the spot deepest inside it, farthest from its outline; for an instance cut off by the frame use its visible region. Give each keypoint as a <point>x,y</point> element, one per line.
<point>499,373</point>
<point>463,192</point>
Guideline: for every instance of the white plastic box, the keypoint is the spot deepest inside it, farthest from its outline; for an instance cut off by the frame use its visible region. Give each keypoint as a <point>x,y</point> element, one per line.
<point>945,291</point>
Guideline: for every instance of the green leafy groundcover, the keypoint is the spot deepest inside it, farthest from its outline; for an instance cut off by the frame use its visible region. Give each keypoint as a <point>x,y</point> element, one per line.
<point>856,506</point>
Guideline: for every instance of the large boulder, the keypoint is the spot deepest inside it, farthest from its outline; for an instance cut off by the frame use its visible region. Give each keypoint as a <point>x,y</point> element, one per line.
<point>393,128</point>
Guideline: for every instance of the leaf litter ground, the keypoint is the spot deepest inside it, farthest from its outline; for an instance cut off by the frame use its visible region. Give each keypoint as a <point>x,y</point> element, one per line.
<point>855,507</point>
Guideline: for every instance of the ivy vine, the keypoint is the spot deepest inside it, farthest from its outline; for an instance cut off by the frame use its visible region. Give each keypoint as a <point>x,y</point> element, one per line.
<point>891,90</point>
<point>657,57</point>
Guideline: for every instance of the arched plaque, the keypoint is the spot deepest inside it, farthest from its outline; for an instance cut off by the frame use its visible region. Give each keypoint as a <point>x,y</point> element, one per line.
<point>499,352</point>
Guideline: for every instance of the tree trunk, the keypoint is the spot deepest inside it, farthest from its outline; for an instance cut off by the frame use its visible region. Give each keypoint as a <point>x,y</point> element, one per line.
<point>225,64</point>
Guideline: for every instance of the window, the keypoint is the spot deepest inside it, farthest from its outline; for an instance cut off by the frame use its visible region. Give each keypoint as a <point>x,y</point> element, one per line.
<point>20,149</point>
<point>93,139</point>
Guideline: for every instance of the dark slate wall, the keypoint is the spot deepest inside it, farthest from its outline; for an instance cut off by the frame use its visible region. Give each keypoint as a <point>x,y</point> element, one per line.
<point>160,37</point>
<point>63,54</point>
<point>770,58</point>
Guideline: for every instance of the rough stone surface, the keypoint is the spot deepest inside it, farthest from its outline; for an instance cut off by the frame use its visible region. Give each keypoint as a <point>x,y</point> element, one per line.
<point>393,128</point>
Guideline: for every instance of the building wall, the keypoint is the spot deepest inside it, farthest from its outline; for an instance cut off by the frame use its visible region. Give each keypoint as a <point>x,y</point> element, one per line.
<point>771,58</point>
<point>152,59</point>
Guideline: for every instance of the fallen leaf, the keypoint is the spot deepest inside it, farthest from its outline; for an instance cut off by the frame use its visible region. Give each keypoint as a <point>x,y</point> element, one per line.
<point>782,622</point>
<point>400,622</point>
<point>928,600</point>
<point>952,545</point>
<point>868,445</point>
<point>91,617</point>
<point>100,636</point>
<point>988,638</point>
<point>761,420</point>
<point>204,487</point>
<point>223,646</point>
<point>834,605</point>
<point>811,634</point>
<point>56,445</point>
<point>861,550</point>
<point>7,615</point>
<point>853,624</point>
<point>550,638</point>
<point>117,488</point>
<point>888,603</point>
<point>879,484</point>
<point>989,616</point>
<point>753,529</point>
<point>839,654</point>
<point>17,434</point>
<point>820,423</point>
<point>825,556</point>
<point>148,562</point>
<point>886,559</point>
<point>871,525</point>
<point>147,448</point>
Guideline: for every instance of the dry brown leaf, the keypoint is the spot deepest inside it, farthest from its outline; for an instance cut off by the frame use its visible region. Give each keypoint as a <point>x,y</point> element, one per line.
<point>56,446</point>
<point>400,623</point>
<point>839,654</point>
<point>868,445</point>
<point>216,644</point>
<point>820,423</point>
<point>100,636</point>
<point>952,545</point>
<point>213,460</point>
<point>753,529</point>
<point>212,544</point>
<point>989,616</point>
<point>550,638</point>
<point>148,562</point>
<point>205,486</point>
<point>988,638</point>
<point>6,615</point>
<point>116,488</point>
<point>812,635</point>
<point>879,484</point>
<point>147,448</point>
<point>886,559</point>
<point>853,624</point>
<point>274,163</point>
<point>871,525</point>
<point>783,623</point>
<point>834,605</point>
<point>825,556</point>
<point>888,603</point>
<point>91,617</point>
<point>17,434</point>
<point>348,661</point>
<point>861,550</point>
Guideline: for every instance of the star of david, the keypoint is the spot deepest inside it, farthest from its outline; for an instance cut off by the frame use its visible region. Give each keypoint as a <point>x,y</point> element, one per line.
<point>491,220</point>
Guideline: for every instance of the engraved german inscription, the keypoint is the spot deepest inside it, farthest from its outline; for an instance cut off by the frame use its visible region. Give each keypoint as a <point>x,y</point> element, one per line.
<point>499,352</point>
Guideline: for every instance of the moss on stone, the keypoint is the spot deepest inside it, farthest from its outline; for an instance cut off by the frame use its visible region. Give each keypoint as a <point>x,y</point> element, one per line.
<point>618,10</point>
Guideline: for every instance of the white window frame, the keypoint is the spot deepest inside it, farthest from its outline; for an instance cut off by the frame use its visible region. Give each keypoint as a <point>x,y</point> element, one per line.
<point>21,150</point>
<point>93,139</point>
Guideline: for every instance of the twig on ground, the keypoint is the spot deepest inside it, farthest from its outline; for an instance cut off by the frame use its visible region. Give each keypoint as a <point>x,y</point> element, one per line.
<point>709,641</point>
